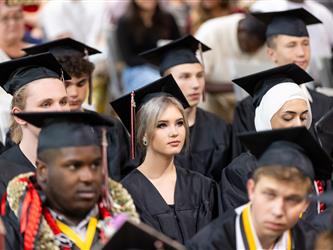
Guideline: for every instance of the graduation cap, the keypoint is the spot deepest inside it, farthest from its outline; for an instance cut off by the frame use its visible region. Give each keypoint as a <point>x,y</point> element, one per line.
<point>61,47</point>
<point>177,52</point>
<point>71,129</point>
<point>65,47</point>
<point>258,84</point>
<point>127,106</point>
<point>139,236</point>
<point>290,22</point>
<point>65,129</point>
<point>289,147</point>
<point>324,131</point>
<point>16,73</point>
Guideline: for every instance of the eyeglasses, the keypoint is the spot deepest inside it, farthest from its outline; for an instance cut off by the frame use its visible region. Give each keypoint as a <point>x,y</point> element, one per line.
<point>15,18</point>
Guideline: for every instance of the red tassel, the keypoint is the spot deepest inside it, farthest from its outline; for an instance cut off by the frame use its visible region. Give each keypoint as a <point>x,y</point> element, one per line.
<point>3,204</point>
<point>33,220</point>
<point>320,186</point>
<point>132,125</point>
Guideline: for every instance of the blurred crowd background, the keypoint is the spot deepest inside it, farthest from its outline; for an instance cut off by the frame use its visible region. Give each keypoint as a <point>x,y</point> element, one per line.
<point>122,29</point>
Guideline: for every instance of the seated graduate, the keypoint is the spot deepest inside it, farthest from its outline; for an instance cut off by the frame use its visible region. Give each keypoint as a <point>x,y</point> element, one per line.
<point>209,149</point>
<point>36,84</point>
<point>279,102</point>
<point>324,239</point>
<point>278,192</point>
<point>176,201</point>
<point>287,41</point>
<point>324,132</point>
<point>73,57</point>
<point>67,203</point>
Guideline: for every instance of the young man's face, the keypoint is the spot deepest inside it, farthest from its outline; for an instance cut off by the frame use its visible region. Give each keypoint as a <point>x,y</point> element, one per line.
<point>72,179</point>
<point>77,89</point>
<point>275,205</point>
<point>47,94</point>
<point>290,49</point>
<point>190,78</point>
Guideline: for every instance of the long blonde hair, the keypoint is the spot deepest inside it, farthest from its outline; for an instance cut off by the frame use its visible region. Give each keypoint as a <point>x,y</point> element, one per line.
<point>19,101</point>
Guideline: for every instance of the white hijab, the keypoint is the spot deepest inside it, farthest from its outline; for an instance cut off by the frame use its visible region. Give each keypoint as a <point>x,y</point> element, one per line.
<point>274,99</point>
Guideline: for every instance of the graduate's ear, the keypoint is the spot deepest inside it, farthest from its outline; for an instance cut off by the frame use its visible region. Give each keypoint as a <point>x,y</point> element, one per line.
<point>250,185</point>
<point>271,54</point>
<point>18,120</point>
<point>41,173</point>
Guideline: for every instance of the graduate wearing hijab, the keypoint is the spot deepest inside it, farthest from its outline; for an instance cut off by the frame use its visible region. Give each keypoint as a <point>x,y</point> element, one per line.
<point>73,57</point>
<point>176,201</point>
<point>283,28</point>
<point>209,149</point>
<point>278,102</point>
<point>278,193</point>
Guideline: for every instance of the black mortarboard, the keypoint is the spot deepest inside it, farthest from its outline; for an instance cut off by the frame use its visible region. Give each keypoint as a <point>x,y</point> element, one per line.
<point>177,52</point>
<point>289,22</point>
<point>139,236</point>
<point>324,130</point>
<point>65,47</point>
<point>258,84</point>
<point>65,129</point>
<point>289,147</point>
<point>61,47</point>
<point>16,73</point>
<point>127,106</point>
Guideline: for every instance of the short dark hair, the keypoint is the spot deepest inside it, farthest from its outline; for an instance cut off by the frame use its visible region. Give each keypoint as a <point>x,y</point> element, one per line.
<point>76,66</point>
<point>270,41</point>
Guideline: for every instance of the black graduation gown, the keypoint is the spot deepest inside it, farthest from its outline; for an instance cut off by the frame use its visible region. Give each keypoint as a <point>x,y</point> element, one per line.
<point>118,149</point>
<point>244,117</point>
<point>197,203</point>
<point>2,147</point>
<point>210,147</point>
<point>221,234</point>
<point>233,181</point>
<point>8,170</point>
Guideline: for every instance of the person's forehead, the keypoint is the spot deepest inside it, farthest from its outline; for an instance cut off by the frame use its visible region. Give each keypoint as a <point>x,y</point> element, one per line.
<point>39,86</point>
<point>77,152</point>
<point>186,68</point>
<point>171,111</point>
<point>286,38</point>
<point>294,105</point>
<point>282,187</point>
<point>4,9</point>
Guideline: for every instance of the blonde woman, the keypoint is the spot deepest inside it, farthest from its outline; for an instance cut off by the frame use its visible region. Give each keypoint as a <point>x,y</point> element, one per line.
<point>174,200</point>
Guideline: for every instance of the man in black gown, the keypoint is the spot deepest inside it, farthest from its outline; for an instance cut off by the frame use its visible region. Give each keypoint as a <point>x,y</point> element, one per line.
<point>73,57</point>
<point>209,149</point>
<point>288,42</point>
<point>16,74</point>
<point>61,204</point>
<point>278,193</point>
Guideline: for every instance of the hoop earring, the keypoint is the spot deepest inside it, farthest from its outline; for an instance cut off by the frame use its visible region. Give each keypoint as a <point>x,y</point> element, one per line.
<point>144,141</point>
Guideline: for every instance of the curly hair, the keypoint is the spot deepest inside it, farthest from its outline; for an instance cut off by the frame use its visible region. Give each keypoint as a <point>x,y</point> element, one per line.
<point>75,65</point>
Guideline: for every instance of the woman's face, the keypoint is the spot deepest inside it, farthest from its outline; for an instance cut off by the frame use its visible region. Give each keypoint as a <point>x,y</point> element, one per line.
<point>11,23</point>
<point>293,113</point>
<point>168,137</point>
